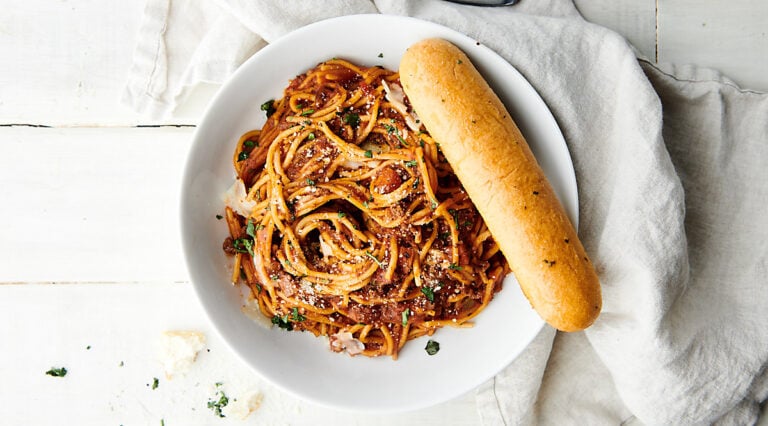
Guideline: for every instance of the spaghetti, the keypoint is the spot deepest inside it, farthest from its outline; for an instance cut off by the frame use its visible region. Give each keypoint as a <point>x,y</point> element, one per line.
<point>346,220</point>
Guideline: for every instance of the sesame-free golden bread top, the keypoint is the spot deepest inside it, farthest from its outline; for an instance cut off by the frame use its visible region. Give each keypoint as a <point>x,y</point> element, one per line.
<point>503,179</point>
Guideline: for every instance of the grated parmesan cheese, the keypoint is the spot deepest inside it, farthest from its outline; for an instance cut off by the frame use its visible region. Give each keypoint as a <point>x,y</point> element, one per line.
<point>396,96</point>
<point>179,350</point>
<point>343,340</point>
<point>242,406</point>
<point>237,199</point>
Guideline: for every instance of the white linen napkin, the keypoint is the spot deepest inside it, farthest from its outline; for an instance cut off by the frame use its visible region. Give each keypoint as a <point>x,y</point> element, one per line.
<point>672,178</point>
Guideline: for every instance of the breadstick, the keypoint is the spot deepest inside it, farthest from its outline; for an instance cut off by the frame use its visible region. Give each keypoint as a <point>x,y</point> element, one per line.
<point>500,174</point>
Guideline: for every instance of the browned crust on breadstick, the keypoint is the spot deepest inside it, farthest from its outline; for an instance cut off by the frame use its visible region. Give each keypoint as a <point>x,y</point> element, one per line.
<point>499,172</point>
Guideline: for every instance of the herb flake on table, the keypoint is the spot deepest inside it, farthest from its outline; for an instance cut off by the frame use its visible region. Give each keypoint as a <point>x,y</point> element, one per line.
<point>216,405</point>
<point>57,372</point>
<point>155,383</point>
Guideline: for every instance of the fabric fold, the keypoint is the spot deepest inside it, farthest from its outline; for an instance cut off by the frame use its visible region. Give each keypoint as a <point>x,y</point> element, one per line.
<point>496,404</point>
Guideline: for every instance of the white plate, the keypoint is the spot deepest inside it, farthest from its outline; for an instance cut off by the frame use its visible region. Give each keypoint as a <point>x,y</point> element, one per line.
<point>298,362</point>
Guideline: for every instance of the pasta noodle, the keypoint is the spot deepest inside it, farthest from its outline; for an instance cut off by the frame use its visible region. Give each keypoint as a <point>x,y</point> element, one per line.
<point>347,221</point>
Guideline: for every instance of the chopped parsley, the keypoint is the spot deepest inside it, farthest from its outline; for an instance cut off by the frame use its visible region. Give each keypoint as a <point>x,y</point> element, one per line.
<point>454,267</point>
<point>428,293</point>
<point>296,316</point>
<point>310,182</point>
<point>352,119</point>
<point>282,322</point>
<point>311,136</point>
<point>307,112</point>
<point>405,315</point>
<point>88,348</point>
<point>219,217</point>
<point>432,347</point>
<point>155,383</point>
<point>375,259</point>
<point>455,215</point>
<point>411,163</point>
<point>251,228</point>
<point>242,156</point>
<point>396,132</point>
<point>243,245</point>
<point>368,154</point>
<point>381,55</point>
<point>217,404</point>
<point>341,215</point>
<point>268,107</point>
<point>57,372</point>
<point>250,143</point>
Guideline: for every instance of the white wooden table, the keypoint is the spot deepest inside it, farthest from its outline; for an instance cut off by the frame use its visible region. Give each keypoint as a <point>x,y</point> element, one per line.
<point>91,270</point>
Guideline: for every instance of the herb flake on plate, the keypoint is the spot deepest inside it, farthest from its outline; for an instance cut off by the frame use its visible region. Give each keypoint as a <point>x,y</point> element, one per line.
<point>432,347</point>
